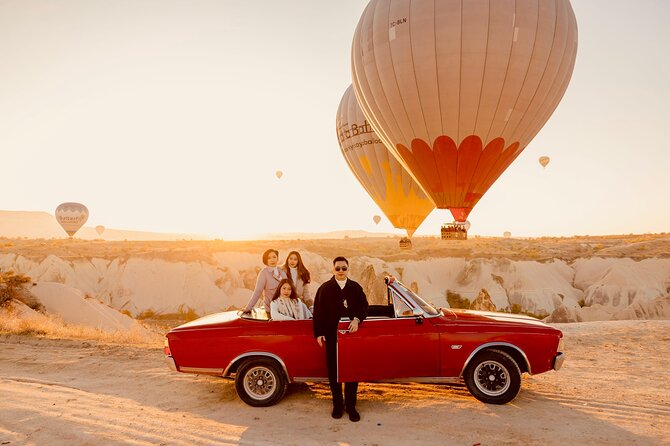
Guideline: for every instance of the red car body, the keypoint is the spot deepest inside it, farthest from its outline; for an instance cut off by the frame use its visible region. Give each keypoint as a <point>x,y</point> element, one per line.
<point>406,340</point>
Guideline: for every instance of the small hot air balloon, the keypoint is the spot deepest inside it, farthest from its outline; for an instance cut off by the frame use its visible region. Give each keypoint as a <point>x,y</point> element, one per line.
<point>457,89</point>
<point>467,225</point>
<point>390,186</point>
<point>507,234</point>
<point>544,160</point>
<point>279,174</point>
<point>377,219</point>
<point>99,229</point>
<point>71,216</point>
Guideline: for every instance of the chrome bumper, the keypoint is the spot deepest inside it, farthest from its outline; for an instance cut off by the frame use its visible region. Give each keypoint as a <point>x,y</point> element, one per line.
<point>558,360</point>
<point>171,363</point>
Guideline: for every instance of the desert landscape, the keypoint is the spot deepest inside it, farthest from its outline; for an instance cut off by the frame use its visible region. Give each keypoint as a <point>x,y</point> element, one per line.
<point>493,156</point>
<point>102,379</point>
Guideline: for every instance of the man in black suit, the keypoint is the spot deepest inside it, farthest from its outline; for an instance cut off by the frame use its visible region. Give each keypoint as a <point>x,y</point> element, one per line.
<point>339,297</point>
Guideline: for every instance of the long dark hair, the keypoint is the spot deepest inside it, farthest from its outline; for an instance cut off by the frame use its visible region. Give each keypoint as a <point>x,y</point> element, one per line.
<point>303,272</point>
<point>293,295</point>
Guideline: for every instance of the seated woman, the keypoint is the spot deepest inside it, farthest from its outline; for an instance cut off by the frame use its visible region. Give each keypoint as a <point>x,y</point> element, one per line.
<point>286,306</point>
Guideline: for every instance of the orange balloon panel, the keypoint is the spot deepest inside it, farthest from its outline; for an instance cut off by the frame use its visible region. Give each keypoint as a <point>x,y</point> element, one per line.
<point>382,176</point>
<point>458,89</point>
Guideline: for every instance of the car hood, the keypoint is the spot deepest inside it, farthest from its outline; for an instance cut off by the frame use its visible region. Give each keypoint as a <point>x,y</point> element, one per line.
<point>474,316</point>
<point>209,320</point>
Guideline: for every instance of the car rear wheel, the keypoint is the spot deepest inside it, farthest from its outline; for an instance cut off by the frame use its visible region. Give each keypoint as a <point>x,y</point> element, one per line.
<point>260,382</point>
<point>493,377</point>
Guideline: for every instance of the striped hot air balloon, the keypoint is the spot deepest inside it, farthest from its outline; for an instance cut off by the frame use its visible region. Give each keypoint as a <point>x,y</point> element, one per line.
<point>457,89</point>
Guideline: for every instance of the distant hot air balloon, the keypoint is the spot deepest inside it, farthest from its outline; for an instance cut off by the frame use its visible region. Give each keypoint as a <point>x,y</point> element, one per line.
<point>279,174</point>
<point>71,216</point>
<point>507,234</point>
<point>457,89</point>
<point>467,225</point>
<point>382,176</point>
<point>544,160</point>
<point>377,219</point>
<point>99,229</point>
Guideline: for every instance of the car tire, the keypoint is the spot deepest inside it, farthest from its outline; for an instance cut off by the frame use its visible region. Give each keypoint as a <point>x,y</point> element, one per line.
<point>260,382</point>
<point>493,377</point>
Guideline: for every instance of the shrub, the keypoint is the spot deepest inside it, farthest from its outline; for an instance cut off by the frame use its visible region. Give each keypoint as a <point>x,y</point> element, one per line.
<point>457,301</point>
<point>14,287</point>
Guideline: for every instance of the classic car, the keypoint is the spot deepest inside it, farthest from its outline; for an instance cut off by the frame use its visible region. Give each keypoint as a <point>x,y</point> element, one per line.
<point>406,340</point>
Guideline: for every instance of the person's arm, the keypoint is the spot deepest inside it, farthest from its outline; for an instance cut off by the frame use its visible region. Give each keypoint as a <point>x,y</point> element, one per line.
<point>260,286</point>
<point>306,294</point>
<point>305,310</point>
<point>359,311</point>
<point>318,322</point>
<point>276,315</point>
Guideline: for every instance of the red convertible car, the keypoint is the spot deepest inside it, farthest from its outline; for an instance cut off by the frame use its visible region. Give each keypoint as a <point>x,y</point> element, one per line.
<point>407,340</point>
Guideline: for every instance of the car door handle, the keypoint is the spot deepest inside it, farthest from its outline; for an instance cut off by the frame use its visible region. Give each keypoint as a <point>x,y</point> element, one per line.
<point>343,331</point>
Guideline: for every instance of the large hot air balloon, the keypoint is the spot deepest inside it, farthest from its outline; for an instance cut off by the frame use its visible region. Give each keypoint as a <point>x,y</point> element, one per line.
<point>457,89</point>
<point>544,160</point>
<point>71,216</point>
<point>99,229</point>
<point>382,176</point>
<point>376,219</point>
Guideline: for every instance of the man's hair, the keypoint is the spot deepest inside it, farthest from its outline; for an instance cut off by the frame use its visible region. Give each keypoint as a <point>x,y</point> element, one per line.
<point>340,259</point>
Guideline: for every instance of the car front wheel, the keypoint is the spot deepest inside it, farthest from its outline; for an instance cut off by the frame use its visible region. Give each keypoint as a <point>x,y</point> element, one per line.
<point>493,377</point>
<point>260,382</point>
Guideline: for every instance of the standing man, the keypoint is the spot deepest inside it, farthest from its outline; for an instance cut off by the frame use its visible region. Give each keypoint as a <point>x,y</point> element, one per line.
<point>339,297</point>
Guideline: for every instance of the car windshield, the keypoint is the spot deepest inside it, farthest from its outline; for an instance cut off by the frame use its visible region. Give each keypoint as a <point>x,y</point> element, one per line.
<point>425,306</point>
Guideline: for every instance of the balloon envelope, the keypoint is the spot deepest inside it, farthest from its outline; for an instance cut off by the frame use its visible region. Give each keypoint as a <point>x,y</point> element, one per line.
<point>376,219</point>
<point>71,216</point>
<point>279,174</point>
<point>467,225</point>
<point>99,229</point>
<point>507,234</point>
<point>457,89</point>
<point>398,196</point>
<point>544,160</point>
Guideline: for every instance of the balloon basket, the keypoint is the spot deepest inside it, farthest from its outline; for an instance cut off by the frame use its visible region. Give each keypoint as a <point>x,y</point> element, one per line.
<point>454,231</point>
<point>405,243</point>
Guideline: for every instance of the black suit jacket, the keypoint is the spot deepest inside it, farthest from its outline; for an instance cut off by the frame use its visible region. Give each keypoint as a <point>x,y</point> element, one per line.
<point>329,306</point>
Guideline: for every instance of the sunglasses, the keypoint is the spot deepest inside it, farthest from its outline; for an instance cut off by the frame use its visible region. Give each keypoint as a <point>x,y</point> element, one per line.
<point>341,268</point>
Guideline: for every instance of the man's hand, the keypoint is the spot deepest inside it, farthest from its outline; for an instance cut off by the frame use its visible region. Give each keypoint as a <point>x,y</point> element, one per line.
<point>353,325</point>
<point>321,340</point>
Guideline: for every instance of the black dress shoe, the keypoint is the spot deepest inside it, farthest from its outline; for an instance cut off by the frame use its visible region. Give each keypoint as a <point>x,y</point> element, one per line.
<point>353,414</point>
<point>338,411</point>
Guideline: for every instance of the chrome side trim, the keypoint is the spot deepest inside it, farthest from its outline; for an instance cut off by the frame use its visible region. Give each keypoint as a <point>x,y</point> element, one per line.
<point>226,372</point>
<point>495,344</point>
<point>201,370</point>
<point>303,379</point>
<point>425,380</point>
<point>558,360</point>
<point>171,364</point>
<point>422,380</point>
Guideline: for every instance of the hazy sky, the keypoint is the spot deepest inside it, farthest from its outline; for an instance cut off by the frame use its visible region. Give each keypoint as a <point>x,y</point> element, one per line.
<point>173,116</point>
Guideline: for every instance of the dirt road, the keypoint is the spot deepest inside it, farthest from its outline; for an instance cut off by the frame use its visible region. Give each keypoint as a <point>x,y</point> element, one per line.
<point>612,390</point>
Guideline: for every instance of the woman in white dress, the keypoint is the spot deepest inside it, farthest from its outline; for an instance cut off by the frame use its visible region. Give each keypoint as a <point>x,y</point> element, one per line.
<point>285,304</point>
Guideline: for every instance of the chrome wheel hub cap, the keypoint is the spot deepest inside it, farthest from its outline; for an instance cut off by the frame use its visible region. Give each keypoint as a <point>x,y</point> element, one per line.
<point>259,383</point>
<point>491,378</point>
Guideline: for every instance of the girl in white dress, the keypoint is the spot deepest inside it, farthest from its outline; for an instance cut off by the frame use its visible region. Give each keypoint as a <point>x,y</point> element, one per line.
<point>285,304</point>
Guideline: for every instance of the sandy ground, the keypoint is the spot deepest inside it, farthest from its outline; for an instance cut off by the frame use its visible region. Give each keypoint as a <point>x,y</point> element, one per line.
<point>612,390</point>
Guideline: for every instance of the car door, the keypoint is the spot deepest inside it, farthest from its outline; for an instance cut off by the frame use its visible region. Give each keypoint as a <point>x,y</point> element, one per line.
<point>405,346</point>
